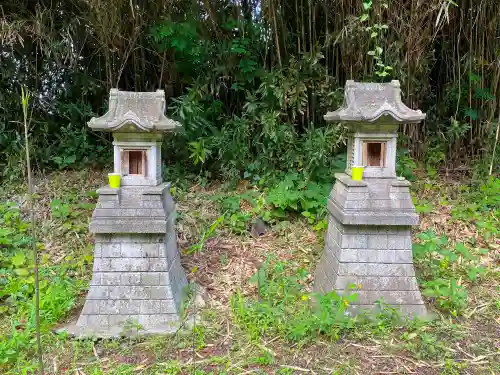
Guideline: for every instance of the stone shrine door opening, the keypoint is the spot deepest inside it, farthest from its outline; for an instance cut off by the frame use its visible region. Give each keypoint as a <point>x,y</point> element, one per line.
<point>134,162</point>
<point>374,154</point>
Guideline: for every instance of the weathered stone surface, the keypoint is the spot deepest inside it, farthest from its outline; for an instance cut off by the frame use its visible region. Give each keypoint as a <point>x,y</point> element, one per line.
<point>392,297</point>
<point>136,276</point>
<point>145,110</point>
<point>406,309</point>
<point>380,206</point>
<point>376,283</point>
<point>370,102</point>
<point>129,286</point>
<point>368,242</point>
<point>156,216</point>
<point>377,258</point>
<point>372,112</point>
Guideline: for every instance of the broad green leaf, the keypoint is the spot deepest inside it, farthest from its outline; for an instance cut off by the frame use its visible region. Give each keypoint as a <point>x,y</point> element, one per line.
<point>18,260</point>
<point>472,273</point>
<point>474,77</point>
<point>258,277</point>
<point>45,258</point>
<point>483,93</point>
<point>278,212</point>
<point>460,247</point>
<point>22,272</point>
<point>472,113</point>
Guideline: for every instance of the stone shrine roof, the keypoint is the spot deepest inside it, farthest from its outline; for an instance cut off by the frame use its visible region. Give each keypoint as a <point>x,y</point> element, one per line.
<point>369,102</point>
<point>144,110</point>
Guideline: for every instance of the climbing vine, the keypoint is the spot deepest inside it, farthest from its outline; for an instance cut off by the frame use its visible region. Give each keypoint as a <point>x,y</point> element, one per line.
<point>376,32</point>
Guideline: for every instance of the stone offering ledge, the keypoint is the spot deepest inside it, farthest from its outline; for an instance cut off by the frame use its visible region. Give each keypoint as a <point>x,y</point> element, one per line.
<point>401,182</point>
<point>147,190</point>
<point>354,217</point>
<point>147,209</point>
<point>372,202</point>
<point>348,181</point>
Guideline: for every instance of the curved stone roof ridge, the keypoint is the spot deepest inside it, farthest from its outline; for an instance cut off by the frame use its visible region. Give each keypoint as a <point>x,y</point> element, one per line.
<point>369,102</point>
<point>145,110</point>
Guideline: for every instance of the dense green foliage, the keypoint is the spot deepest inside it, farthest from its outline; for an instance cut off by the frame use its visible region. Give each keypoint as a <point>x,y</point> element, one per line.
<point>273,198</point>
<point>286,308</point>
<point>443,271</point>
<point>59,287</point>
<point>249,80</point>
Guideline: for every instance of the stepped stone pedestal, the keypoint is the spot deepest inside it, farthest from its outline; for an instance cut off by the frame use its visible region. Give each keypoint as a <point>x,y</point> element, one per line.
<point>138,283</point>
<point>138,279</point>
<point>368,242</point>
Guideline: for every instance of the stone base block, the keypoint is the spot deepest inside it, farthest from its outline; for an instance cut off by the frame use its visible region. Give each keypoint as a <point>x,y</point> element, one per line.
<point>131,330</point>
<point>138,284</point>
<point>375,260</point>
<point>405,310</point>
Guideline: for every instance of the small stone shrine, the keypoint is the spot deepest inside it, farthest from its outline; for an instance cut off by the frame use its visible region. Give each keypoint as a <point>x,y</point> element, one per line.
<point>138,281</point>
<point>368,242</point>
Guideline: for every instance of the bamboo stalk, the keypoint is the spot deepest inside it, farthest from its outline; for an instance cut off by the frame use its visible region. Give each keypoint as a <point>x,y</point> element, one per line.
<point>326,46</point>
<point>302,22</point>
<point>310,25</point>
<point>298,26</point>
<point>25,102</point>
<point>495,144</point>
<point>276,35</point>
<point>470,82</point>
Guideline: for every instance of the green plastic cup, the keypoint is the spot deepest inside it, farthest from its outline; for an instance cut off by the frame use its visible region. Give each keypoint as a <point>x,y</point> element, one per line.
<point>114,180</point>
<point>357,173</point>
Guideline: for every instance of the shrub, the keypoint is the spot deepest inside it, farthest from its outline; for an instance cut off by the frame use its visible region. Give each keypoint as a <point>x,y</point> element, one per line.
<point>284,307</point>
<point>443,270</point>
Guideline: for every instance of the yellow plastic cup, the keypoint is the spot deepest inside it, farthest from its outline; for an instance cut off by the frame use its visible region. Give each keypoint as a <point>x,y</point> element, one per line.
<point>357,173</point>
<point>114,180</point>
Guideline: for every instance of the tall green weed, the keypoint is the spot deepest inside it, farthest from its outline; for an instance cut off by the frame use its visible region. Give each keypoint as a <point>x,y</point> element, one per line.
<point>481,205</point>
<point>285,308</point>
<point>445,270</point>
<point>58,289</point>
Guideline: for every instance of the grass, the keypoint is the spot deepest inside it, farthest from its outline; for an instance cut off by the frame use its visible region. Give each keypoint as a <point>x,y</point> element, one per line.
<point>234,338</point>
